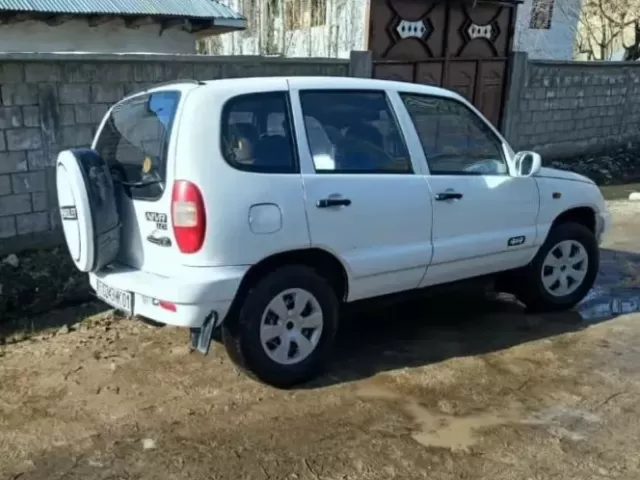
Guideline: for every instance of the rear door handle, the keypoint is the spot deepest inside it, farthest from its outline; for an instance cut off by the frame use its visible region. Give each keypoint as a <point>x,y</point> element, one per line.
<point>441,197</point>
<point>333,202</point>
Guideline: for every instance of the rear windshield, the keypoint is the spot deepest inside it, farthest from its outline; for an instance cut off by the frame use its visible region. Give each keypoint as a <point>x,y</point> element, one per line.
<point>134,142</point>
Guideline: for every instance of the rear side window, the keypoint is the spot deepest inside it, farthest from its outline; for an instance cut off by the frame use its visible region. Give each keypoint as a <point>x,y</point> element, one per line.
<point>134,142</point>
<point>257,134</point>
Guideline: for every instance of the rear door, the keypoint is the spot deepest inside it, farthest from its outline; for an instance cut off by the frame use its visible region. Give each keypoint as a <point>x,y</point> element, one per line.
<point>135,140</point>
<point>365,201</point>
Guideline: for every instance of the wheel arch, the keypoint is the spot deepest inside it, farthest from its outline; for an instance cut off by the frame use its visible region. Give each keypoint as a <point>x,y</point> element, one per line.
<point>582,215</point>
<point>325,263</point>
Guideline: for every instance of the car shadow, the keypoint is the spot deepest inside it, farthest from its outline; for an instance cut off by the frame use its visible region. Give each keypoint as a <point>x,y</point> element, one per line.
<point>374,338</point>
<point>65,316</point>
<point>414,333</point>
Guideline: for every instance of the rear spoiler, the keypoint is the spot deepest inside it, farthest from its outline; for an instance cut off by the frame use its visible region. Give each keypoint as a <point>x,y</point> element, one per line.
<point>170,82</point>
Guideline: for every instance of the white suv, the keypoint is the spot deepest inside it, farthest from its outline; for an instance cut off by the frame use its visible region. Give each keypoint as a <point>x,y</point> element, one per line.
<point>262,204</point>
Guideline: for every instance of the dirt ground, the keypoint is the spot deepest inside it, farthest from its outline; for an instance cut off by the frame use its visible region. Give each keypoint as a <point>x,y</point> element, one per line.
<point>449,390</point>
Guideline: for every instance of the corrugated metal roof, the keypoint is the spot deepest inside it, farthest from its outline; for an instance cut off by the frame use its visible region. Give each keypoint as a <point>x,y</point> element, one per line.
<point>205,9</point>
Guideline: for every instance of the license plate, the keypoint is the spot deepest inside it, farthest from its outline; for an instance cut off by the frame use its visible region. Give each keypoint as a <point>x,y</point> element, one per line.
<point>115,297</point>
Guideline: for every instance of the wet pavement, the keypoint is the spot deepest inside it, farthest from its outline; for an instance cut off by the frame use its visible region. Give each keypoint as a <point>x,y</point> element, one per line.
<point>617,289</point>
<point>450,389</point>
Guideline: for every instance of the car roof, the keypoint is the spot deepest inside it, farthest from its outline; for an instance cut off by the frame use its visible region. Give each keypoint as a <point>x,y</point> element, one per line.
<point>319,82</point>
<point>260,84</point>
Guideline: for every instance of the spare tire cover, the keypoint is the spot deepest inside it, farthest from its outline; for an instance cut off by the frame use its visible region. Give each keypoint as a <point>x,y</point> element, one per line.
<point>88,208</point>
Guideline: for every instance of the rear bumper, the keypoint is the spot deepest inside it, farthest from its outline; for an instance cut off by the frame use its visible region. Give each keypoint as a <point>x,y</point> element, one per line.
<point>195,292</point>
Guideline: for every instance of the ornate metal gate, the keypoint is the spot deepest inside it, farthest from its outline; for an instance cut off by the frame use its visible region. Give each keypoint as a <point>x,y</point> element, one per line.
<point>459,45</point>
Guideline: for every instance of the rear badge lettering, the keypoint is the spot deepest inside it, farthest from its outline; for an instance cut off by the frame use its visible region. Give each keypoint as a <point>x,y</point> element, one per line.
<point>515,241</point>
<point>160,219</point>
<point>69,213</point>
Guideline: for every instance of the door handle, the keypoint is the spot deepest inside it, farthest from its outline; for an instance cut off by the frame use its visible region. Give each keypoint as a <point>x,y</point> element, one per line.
<point>441,197</point>
<point>333,202</point>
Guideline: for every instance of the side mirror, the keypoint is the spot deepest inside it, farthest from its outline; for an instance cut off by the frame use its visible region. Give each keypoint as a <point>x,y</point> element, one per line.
<point>527,164</point>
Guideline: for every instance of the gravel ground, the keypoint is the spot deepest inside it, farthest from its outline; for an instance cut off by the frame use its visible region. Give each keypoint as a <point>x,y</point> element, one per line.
<point>417,391</point>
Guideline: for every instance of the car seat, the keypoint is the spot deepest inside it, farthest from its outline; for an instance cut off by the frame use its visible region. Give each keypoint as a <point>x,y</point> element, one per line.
<point>273,151</point>
<point>365,133</point>
<point>362,148</point>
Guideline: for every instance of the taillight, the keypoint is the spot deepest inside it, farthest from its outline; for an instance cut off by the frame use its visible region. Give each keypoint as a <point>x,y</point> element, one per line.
<point>188,216</point>
<point>168,305</point>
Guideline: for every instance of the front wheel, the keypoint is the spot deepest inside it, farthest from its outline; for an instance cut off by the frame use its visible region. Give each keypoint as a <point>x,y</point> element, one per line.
<point>563,271</point>
<point>285,327</point>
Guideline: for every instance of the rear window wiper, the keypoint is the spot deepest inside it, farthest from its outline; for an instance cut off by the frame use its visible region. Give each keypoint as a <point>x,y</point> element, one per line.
<point>139,184</point>
<point>117,177</point>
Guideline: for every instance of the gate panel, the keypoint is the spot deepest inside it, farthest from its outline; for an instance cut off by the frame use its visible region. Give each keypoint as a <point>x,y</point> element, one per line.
<point>462,79</point>
<point>429,73</point>
<point>406,30</point>
<point>491,84</point>
<point>402,72</point>
<point>480,32</point>
<point>458,45</point>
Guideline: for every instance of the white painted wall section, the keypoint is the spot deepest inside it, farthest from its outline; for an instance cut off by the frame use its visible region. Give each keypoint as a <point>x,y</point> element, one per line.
<point>78,36</point>
<point>556,43</point>
<point>343,32</point>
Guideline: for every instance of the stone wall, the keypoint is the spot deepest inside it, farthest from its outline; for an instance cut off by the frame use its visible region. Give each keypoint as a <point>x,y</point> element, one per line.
<point>52,102</point>
<point>49,102</point>
<point>568,109</point>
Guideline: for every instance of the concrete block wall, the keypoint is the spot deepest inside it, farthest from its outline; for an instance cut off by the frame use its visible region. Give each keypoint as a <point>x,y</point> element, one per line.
<point>49,102</point>
<point>53,101</point>
<point>565,109</point>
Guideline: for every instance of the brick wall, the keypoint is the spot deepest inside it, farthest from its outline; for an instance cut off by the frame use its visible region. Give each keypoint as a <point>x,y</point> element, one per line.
<point>564,109</point>
<point>50,102</point>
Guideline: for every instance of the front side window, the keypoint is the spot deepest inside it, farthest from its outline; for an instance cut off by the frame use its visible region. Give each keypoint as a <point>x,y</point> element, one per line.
<point>134,141</point>
<point>257,134</point>
<point>353,131</point>
<point>454,139</point>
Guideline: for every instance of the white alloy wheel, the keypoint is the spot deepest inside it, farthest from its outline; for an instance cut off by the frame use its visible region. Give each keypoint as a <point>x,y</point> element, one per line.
<point>291,326</point>
<point>564,268</point>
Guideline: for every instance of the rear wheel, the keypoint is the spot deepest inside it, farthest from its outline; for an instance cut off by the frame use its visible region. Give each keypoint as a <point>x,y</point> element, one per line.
<point>563,271</point>
<point>285,327</point>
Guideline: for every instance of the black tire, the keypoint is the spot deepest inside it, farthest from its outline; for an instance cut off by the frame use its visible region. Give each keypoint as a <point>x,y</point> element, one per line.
<point>531,290</point>
<point>241,333</point>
